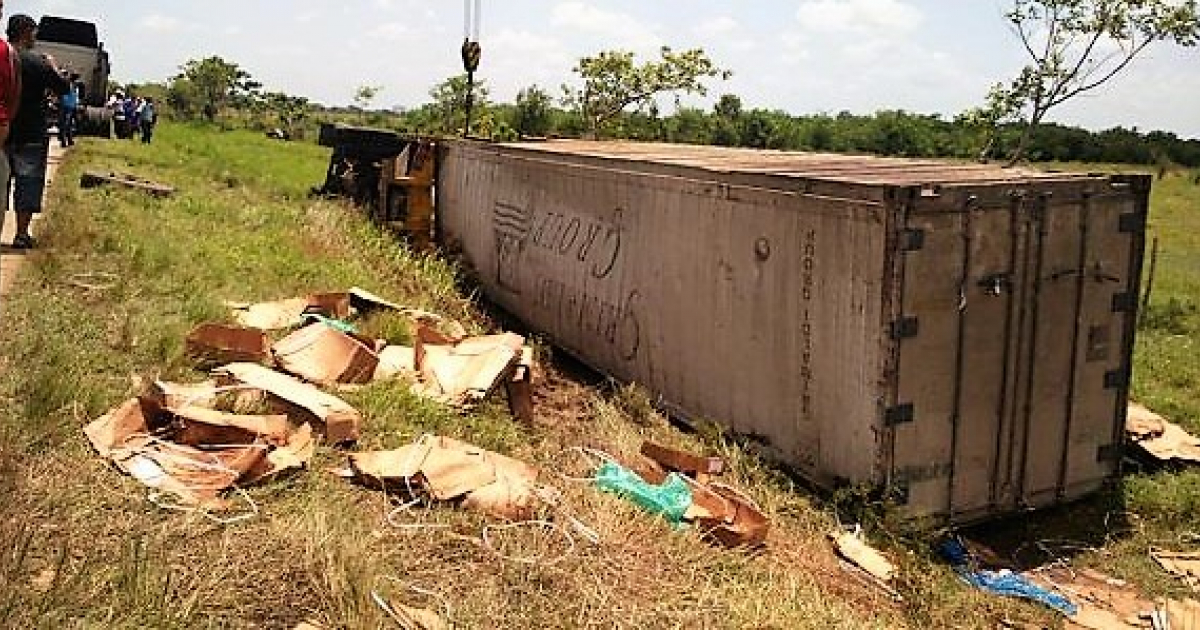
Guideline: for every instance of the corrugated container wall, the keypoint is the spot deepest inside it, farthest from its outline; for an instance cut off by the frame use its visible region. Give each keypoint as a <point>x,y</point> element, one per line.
<point>960,334</point>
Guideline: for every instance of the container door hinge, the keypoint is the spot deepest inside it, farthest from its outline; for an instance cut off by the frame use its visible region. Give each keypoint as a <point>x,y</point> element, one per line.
<point>1133,223</point>
<point>1124,303</point>
<point>1109,453</point>
<point>1116,379</point>
<point>900,414</point>
<point>905,328</point>
<point>912,239</point>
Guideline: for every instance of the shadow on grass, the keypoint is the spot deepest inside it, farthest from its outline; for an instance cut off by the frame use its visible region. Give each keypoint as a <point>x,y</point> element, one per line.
<point>1026,541</point>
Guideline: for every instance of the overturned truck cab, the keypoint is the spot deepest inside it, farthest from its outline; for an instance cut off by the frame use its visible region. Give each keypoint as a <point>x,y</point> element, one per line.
<point>389,174</point>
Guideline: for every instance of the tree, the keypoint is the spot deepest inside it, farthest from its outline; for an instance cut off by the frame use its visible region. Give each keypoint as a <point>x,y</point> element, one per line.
<point>289,110</point>
<point>365,95</point>
<point>727,121</point>
<point>450,102</point>
<point>1076,46</point>
<point>689,125</point>
<point>533,112</point>
<point>612,82</point>
<point>215,82</point>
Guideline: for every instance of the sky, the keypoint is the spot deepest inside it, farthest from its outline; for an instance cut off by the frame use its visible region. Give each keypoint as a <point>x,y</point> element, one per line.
<point>801,56</point>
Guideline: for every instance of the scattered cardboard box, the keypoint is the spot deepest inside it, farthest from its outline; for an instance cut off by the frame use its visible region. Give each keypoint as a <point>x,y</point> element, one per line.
<point>396,362</point>
<point>1160,438</point>
<point>851,546</point>
<point>519,388</point>
<point>195,453</point>
<point>269,315</point>
<point>448,469</point>
<point>323,355</point>
<point>289,313</point>
<point>336,420</point>
<point>465,371</point>
<point>699,468</point>
<point>720,512</point>
<point>1141,423</point>
<point>1182,564</point>
<point>215,344</point>
<point>1107,603</point>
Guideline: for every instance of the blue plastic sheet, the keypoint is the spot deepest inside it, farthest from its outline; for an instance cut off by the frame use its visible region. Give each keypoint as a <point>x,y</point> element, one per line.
<point>1004,582</point>
<point>671,499</point>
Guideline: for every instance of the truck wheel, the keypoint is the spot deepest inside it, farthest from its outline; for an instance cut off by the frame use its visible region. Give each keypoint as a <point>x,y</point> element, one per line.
<point>95,121</point>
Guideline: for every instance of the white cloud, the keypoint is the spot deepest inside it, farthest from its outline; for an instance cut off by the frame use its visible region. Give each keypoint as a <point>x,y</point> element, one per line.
<point>391,30</point>
<point>717,26</point>
<point>859,16</point>
<point>724,33</point>
<point>518,58</point>
<point>620,30</point>
<point>159,23</point>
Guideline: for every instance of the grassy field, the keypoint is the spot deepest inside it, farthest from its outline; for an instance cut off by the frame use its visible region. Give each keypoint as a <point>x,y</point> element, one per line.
<point>80,546</point>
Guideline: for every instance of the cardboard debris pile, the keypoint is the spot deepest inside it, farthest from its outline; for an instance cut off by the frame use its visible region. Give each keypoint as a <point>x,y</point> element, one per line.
<point>195,441</point>
<point>1159,438</point>
<point>1106,603</point>
<point>1184,565</point>
<point>177,440</point>
<point>446,469</point>
<point>444,363</point>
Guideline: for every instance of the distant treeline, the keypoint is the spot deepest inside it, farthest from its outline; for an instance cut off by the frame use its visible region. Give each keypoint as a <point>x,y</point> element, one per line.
<point>236,101</point>
<point>893,133</point>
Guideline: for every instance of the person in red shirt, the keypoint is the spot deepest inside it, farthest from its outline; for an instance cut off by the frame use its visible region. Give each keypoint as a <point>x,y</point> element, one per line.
<point>10,92</point>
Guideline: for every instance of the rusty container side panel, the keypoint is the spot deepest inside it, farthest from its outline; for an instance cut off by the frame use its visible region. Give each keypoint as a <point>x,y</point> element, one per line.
<point>760,309</point>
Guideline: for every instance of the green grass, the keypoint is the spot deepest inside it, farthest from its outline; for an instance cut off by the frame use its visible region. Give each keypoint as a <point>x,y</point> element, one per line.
<point>80,546</point>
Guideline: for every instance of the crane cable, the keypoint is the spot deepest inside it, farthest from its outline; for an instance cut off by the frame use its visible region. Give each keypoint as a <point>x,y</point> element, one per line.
<point>471,52</point>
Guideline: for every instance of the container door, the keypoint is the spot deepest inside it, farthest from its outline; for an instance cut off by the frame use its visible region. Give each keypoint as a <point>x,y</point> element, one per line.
<point>1085,258</point>
<point>958,341</point>
<point>1011,353</point>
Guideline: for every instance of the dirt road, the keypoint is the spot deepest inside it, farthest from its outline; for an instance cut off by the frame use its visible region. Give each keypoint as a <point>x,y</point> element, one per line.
<point>12,259</point>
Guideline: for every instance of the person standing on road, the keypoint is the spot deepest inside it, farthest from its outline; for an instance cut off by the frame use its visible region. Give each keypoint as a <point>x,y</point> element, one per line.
<point>147,116</point>
<point>28,143</point>
<point>68,105</point>
<point>10,91</point>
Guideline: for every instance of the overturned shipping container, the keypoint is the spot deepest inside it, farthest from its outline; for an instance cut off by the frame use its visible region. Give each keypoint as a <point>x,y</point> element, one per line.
<point>960,334</point>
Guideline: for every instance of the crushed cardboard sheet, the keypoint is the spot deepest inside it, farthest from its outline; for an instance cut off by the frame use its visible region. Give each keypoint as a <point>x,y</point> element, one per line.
<point>396,362</point>
<point>448,470</point>
<point>269,315</point>
<point>1182,564</point>
<point>1159,437</point>
<point>289,313</point>
<point>321,354</point>
<point>851,546</point>
<point>699,468</point>
<point>1107,603</point>
<point>717,510</point>
<point>194,452</point>
<point>463,372</point>
<point>415,618</point>
<point>333,417</point>
<point>216,344</point>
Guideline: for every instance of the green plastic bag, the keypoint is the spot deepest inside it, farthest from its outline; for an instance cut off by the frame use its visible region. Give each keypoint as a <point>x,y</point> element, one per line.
<point>335,324</point>
<point>669,500</point>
